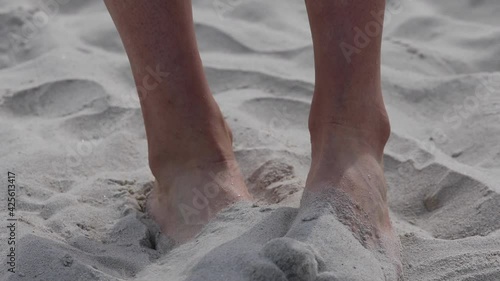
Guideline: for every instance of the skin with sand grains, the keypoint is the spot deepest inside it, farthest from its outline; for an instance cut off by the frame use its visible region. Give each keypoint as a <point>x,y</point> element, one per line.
<point>77,125</point>
<point>189,140</point>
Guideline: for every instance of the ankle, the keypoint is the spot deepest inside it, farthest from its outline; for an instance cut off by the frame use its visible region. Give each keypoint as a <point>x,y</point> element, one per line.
<point>346,130</point>
<point>166,168</point>
<point>166,165</point>
<point>205,143</point>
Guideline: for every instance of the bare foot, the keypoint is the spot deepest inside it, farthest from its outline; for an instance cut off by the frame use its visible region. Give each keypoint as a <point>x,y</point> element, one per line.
<point>342,230</point>
<point>346,188</point>
<point>186,196</point>
<point>356,196</point>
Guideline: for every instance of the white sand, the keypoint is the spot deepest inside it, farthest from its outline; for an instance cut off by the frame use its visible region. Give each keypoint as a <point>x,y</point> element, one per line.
<point>72,131</point>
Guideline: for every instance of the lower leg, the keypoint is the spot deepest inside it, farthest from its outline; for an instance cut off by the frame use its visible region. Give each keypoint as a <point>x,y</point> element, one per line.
<point>348,122</point>
<point>188,140</point>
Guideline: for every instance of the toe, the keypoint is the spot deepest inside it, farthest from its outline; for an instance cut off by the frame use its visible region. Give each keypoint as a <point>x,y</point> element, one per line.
<point>297,260</point>
<point>265,270</point>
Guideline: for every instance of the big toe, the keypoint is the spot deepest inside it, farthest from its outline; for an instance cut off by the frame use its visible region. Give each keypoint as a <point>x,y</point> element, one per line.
<point>266,271</point>
<point>297,260</point>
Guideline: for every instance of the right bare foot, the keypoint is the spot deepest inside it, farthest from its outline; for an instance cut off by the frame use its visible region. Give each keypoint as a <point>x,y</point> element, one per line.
<point>190,189</point>
<point>184,203</point>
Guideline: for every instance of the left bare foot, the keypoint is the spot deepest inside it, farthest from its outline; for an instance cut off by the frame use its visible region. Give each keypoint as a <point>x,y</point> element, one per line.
<point>343,230</point>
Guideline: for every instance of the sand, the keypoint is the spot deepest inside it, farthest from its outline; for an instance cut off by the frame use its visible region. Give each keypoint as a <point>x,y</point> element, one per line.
<point>72,132</point>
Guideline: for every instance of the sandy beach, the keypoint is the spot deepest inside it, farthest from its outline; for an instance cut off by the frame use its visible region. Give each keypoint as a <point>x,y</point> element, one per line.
<point>73,140</point>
